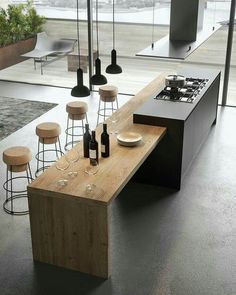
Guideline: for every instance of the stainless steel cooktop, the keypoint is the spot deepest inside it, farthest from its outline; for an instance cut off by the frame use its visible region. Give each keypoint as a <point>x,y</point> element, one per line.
<point>188,93</point>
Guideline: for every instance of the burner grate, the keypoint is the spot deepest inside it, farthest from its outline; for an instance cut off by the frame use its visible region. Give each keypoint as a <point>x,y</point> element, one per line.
<point>187,94</point>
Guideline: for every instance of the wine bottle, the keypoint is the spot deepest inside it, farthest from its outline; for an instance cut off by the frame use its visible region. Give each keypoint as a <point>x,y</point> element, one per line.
<point>105,142</point>
<point>86,140</point>
<point>93,149</point>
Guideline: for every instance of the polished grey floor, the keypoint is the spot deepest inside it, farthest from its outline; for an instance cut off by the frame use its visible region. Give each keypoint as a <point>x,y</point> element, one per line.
<point>163,242</point>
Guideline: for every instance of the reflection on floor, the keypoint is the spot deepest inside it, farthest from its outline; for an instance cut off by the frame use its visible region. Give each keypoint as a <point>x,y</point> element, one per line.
<point>163,242</point>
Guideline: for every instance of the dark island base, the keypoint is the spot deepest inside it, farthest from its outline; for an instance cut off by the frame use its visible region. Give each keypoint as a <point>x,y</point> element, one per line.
<point>186,132</point>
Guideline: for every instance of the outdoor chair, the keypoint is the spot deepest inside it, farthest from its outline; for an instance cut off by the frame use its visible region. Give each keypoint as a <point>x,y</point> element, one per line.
<point>48,50</point>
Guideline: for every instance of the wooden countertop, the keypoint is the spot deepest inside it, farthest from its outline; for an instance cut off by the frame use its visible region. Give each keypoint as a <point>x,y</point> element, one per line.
<point>114,172</point>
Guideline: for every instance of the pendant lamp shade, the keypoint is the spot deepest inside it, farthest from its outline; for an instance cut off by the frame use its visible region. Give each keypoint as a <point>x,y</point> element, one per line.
<point>113,68</point>
<point>80,90</point>
<point>98,78</point>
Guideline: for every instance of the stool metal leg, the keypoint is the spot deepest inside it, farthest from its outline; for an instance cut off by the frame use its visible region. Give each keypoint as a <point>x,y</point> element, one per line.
<point>59,143</point>
<point>82,125</point>
<point>43,162</point>
<point>38,154</point>
<point>13,194</point>
<point>73,125</point>
<point>56,150</point>
<point>74,132</point>
<point>7,193</point>
<point>117,103</point>
<point>67,128</point>
<point>43,155</point>
<point>6,183</point>
<point>104,113</point>
<point>98,114</point>
<point>11,189</point>
<point>29,174</point>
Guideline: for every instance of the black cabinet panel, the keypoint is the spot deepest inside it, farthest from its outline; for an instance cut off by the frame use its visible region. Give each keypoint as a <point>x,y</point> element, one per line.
<point>187,127</point>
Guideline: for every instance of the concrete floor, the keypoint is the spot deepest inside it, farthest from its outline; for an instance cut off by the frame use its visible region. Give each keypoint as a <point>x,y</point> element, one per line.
<point>163,242</point>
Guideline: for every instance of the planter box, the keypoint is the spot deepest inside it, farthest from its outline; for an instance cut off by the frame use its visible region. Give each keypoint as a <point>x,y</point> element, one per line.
<point>73,60</point>
<point>11,54</point>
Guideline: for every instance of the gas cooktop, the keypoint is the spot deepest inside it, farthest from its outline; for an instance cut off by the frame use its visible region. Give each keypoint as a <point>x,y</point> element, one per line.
<point>188,93</point>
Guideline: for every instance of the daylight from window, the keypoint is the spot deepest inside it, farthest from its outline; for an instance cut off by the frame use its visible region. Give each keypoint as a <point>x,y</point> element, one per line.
<point>130,11</point>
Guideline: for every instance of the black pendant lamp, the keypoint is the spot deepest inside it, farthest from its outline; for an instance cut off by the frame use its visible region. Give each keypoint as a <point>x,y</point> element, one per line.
<point>80,90</point>
<point>113,68</point>
<point>153,22</point>
<point>98,78</point>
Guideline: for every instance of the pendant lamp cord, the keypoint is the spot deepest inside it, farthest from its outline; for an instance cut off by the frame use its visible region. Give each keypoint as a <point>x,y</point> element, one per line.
<point>97,26</point>
<point>153,20</point>
<point>214,17</point>
<point>113,22</point>
<point>77,16</point>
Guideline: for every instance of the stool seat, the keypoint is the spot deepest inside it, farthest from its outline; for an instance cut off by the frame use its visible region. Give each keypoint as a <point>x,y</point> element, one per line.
<point>77,107</point>
<point>77,111</point>
<point>48,133</point>
<point>17,155</point>
<point>48,130</point>
<point>108,93</point>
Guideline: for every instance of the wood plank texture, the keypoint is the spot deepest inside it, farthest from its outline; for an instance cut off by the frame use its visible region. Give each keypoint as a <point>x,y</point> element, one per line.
<point>69,227</point>
<point>70,234</point>
<point>114,172</point>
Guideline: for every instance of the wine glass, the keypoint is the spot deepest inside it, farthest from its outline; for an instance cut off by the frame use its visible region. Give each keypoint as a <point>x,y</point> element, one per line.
<point>62,164</point>
<point>92,168</point>
<point>91,188</point>
<point>72,157</point>
<point>112,120</point>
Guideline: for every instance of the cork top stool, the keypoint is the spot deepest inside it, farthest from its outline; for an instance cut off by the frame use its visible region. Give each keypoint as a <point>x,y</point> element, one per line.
<point>17,159</point>
<point>48,133</point>
<point>108,94</point>
<point>77,111</point>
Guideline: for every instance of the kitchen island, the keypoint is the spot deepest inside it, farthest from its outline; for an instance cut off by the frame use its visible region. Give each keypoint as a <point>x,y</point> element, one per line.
<point>70,227</point>
<point>188,125</point>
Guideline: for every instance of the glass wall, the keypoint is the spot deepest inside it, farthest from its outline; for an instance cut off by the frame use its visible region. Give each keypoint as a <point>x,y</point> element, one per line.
<point>134,31</point>
<point>130,11</point>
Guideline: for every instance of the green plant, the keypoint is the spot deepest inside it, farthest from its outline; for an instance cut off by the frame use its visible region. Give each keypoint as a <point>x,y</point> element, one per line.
<point>5,37</point>
<point>19,22</point>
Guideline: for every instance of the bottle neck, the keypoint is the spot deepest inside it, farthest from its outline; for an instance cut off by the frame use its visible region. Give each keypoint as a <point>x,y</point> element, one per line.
<point>86,127</point>
<point>93,136</point>
<point>105,128</point>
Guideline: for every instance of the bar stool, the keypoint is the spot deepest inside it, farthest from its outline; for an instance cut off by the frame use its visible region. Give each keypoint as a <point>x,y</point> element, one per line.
<point>17,159</point>
<point>48,133</point>
<point>77,111</point>
<point>108,94</point>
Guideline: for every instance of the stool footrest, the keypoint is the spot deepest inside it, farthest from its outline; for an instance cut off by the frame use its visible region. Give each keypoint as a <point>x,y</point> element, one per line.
<point>18,196</point>
<point>69,130</point>
<point>37,156</point>
<point>40,170</point>
<point>5,185</point>
<point>71,143</point>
